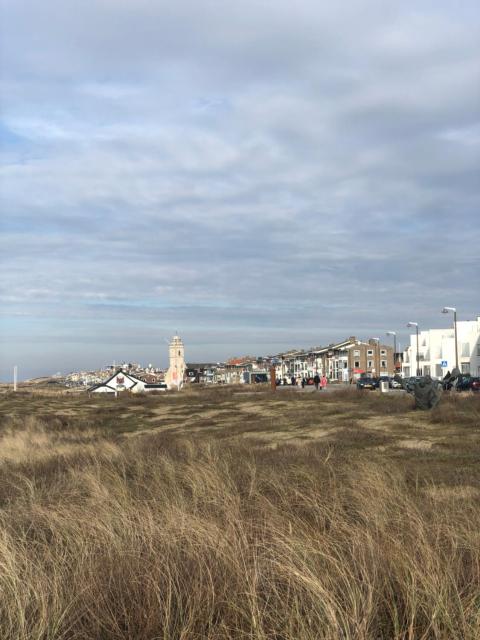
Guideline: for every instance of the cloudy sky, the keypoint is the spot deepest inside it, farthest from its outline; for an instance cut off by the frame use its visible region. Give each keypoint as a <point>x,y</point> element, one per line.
<point>254,174</point>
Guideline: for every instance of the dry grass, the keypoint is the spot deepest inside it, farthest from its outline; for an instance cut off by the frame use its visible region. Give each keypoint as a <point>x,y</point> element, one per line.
<point>187,535</point>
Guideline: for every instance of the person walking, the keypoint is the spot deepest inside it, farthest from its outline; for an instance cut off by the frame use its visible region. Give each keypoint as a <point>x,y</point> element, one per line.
<point>316,381</point>
<point>293,381</point>
<point>323,382</point>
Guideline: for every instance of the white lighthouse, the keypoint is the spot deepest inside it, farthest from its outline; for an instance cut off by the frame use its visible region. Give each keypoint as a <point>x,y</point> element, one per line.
<point>176,369</point>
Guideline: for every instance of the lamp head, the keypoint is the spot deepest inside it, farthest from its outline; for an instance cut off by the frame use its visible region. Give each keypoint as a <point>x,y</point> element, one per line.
<point>447,309</point>
<point>412,324</point>
<point>391,333</point>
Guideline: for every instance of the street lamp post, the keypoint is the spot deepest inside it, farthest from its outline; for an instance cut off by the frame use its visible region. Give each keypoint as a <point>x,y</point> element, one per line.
<point>453,309</point>
<point>377,356</point>
<point>415,324</point>
<point>393,333</point>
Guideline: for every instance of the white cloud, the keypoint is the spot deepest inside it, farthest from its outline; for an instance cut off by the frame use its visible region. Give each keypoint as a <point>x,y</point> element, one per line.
<point>238,168</point>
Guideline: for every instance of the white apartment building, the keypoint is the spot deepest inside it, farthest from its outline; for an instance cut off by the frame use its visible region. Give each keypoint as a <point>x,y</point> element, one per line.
<point>298,364</point>
<point>436,348</point>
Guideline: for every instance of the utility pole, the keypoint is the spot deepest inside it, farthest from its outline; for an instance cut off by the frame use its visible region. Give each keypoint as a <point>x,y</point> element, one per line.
<point>446,310</point>
<point>394,334</point>
<point>415,324</point>
<point>15,372</point>
<point>376,357</point>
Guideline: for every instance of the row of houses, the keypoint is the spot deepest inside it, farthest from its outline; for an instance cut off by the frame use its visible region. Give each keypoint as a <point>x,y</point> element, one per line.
<point>344,361</point>
<point>149,375</point>
<point>439,351</point>
<point>243,370</point>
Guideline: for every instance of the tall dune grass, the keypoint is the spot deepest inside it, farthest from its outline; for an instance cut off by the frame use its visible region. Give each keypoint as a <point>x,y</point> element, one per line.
<point>165,538</point>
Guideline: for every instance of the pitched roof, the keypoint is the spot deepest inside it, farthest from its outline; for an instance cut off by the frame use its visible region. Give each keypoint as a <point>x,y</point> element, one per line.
<point>121,371</point>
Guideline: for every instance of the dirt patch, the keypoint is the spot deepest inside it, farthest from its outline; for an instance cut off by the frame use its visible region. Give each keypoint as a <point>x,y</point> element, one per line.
<point>422,445</point>
<point>293,436</point>
<point>381,423</point>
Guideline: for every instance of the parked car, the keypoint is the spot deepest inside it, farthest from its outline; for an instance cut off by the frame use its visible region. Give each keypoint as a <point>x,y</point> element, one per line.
<point>367,383</point>
<point>392,383</point>
<point>467,383</point>
<point>258,378</point>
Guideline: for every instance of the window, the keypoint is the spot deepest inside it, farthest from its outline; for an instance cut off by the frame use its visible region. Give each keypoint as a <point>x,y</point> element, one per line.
<point>383,364</point>
<point>383,352</point>
<point>345,365</point>
<point>465,367</point>
<point>356,353</point>
<point>356,364</point>
<point>370,352</point>
<point>478,348</point>
<point>369,364</point>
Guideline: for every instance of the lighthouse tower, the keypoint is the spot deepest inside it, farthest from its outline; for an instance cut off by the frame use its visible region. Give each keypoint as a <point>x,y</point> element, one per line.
<point>176,369</point>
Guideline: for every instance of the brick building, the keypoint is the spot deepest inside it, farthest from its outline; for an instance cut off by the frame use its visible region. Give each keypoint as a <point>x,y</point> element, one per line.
<point>348,360</point>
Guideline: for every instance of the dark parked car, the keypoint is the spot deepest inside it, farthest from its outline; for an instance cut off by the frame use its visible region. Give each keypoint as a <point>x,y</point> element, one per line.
<point>258,378</point>
<point>367,383</point>
<point>467,383</point>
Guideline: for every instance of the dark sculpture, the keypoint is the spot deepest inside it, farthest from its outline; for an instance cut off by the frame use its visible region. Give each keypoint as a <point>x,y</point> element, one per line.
<point>427,392</point>
<point>450,379</point>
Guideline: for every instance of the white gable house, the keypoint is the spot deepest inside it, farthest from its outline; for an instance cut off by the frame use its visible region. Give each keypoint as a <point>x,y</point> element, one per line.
<point>123,381</point>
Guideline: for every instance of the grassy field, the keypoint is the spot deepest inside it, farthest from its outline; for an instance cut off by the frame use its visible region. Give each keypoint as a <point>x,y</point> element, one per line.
<point>236,513</point>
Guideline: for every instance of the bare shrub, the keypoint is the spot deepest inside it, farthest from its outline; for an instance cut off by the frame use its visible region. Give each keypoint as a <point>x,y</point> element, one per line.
<point>458,408</point>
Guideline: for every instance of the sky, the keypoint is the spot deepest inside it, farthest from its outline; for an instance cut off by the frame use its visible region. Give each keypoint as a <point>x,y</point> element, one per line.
<point>256,175</point>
